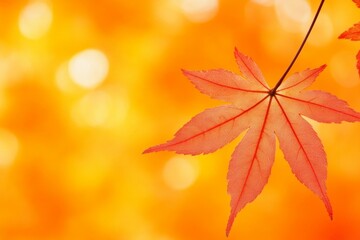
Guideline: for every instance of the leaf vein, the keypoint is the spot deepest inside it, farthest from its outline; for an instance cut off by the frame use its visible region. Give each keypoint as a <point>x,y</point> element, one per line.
<point>302,148</point>
<point>225,86</point>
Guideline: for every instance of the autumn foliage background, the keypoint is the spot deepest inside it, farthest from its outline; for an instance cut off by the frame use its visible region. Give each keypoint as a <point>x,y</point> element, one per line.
<point>71,137</point>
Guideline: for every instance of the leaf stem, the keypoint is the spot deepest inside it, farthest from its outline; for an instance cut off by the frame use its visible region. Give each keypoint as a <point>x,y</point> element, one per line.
<point>273,91</point>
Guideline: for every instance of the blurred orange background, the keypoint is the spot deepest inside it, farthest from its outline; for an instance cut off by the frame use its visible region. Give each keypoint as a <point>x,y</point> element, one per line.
<point>86,86</point>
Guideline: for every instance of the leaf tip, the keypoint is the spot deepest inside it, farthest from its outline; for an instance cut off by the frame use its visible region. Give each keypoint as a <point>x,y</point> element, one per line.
<point>236,50</point>
<point>330,211</point>
<point>149,150</point>
<point>237,53</point>
<point>320,69</point>
<point>156,148</point>
<point>184,71</point>
<point>187,73</point>
<point>230,222</point>
<point>228,227</point>
<point>328,206</point>
<point>342,36</point>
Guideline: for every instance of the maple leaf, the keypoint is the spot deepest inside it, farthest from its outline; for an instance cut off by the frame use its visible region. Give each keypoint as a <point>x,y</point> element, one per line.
<point>353,34</point>
<point>264,113</point>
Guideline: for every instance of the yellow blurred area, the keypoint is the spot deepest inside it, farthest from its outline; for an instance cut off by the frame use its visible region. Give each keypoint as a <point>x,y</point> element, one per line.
<point>86,86</point>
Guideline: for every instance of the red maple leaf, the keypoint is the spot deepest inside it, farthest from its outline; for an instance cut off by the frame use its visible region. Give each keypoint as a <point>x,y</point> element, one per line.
<point>353,34</point>
<point>264,113</point>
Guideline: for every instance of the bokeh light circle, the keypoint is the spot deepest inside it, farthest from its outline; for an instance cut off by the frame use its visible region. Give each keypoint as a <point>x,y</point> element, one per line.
<point>344,74</point>
<point>293,14</point>
<point>89,68</point>
<point>35,20</point>
<point>264,2</point>
<point>9,146</point>
<point>199,10</point>
<point>93,109</point>
<point>179,173</point>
